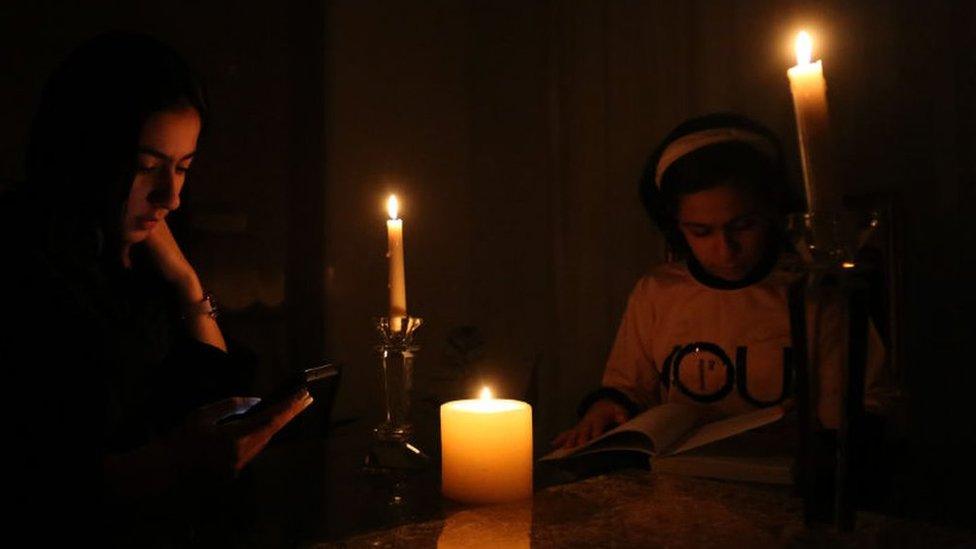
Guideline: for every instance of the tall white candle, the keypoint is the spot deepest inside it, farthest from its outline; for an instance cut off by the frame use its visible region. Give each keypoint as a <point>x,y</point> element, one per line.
<point>486,448</point>
<point>397,283</point>
<point>809,91</point>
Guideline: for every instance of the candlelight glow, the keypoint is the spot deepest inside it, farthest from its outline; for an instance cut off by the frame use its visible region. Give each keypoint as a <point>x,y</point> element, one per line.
<point>392,206</point>
<point>804,48</point>
<point>485,393</point>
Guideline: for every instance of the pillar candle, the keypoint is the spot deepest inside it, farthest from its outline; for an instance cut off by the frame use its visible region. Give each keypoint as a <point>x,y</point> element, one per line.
<point>486,448</point>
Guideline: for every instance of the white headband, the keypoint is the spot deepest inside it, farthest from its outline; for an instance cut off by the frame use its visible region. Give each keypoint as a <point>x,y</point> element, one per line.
<point>694,141</point>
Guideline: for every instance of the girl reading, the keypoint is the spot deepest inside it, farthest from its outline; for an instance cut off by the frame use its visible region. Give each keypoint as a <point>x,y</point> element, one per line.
<point>713,329</point>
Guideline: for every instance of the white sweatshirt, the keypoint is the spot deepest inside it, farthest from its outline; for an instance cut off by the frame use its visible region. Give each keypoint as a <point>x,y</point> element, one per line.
<point>681,340</point>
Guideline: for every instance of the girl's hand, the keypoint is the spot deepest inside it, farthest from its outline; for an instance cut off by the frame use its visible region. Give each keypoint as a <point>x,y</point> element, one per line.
<point>602,415</point>
<point>172,264</point>
<point>224,449</point>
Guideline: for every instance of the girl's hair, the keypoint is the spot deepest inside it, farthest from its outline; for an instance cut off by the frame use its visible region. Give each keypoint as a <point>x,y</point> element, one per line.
<point>738,163</point>
<point>81,158</point>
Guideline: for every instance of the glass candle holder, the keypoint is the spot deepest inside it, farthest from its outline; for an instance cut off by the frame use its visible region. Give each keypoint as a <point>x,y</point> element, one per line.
<point>392,447</point>
<point>830,240</point>
<point>397,351</point>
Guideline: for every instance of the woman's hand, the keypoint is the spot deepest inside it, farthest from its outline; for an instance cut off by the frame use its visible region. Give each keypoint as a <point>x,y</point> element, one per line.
<point>203,444</point>
<point>206,443</point>
<point>598,419</point>
<point>172,264</point>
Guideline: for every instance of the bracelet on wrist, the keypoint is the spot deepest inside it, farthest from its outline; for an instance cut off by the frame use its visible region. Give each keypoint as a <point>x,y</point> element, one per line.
<point>206,306</point>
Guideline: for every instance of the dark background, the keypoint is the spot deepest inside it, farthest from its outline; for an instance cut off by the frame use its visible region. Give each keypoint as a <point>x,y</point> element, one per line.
<point>514,133</point>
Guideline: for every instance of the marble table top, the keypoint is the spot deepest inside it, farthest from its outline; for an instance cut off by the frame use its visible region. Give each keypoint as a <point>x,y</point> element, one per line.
<point>636,508</point>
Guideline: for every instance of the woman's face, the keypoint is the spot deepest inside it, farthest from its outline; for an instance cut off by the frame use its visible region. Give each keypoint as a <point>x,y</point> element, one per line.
<point>727,230</point>
<point>167,143</point>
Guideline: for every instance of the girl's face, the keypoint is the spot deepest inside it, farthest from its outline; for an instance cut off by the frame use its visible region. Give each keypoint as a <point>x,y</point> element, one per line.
<point>167,143</point>
<point>727,229</point>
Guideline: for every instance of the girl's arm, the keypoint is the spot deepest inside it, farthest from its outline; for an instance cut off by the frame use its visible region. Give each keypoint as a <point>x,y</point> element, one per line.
<point>881,394</point>
<point>630,370</point>
<point>630,379</point>
<point>175,269</point>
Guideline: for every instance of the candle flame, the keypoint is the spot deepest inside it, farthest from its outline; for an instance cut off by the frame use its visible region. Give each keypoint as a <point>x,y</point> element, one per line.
<point>485,393</point>
<point>804,48</point>
<point>392,206</point>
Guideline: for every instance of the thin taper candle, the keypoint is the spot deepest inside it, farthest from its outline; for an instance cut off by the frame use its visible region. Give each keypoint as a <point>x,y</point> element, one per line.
<point>809,90</point>
<point>397,283</point>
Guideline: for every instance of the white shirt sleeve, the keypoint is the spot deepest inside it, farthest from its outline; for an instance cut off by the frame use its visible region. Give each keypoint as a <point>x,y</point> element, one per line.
<point>630,367</point>
<point>829,355</point>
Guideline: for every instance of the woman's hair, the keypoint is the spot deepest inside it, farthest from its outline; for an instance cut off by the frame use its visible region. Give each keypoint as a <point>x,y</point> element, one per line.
<point>82,154</point>
<point>747,155</point>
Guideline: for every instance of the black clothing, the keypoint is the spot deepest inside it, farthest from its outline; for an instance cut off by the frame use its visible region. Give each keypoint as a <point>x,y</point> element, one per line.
<point>97,362</point>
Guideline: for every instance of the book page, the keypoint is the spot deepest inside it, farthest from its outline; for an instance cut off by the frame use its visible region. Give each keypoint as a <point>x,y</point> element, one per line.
<point>625,441</point>
<point>755,456</point>
<point>659,427</point>
<point>724,428</point>
<point>774,469</point>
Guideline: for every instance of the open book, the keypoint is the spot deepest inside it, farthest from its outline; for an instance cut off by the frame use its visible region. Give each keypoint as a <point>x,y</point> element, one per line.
<point>673,428</point>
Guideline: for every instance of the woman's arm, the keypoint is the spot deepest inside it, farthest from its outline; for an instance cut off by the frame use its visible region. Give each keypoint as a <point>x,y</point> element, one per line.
<point>176,270</point>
